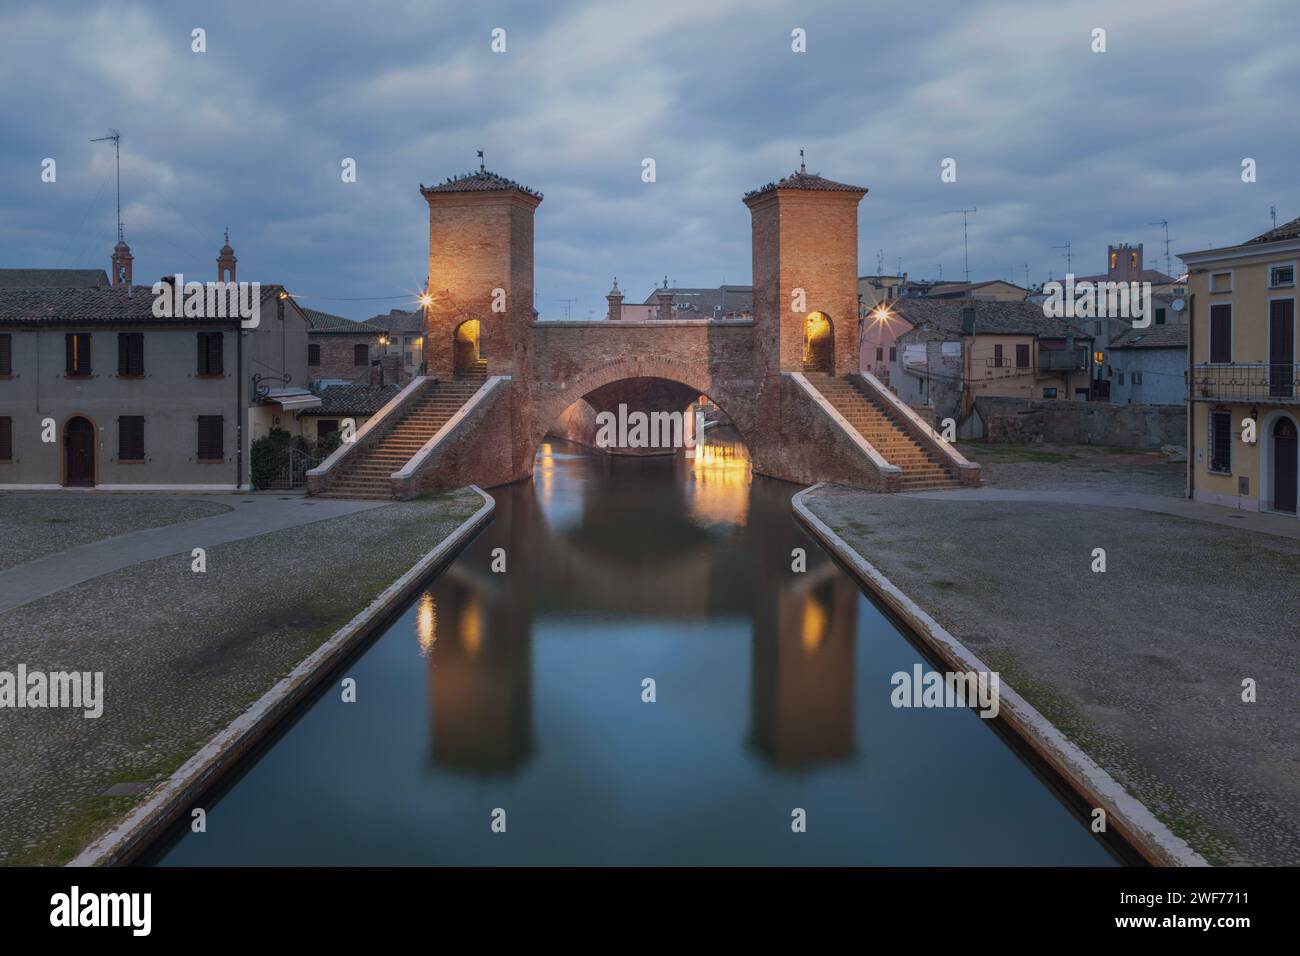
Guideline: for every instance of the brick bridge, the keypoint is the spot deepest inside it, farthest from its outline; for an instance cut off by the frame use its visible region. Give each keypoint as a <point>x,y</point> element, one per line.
<point>497,379</point>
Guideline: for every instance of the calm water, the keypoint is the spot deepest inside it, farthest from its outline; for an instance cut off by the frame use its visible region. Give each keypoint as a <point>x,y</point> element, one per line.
<point>522,691</point>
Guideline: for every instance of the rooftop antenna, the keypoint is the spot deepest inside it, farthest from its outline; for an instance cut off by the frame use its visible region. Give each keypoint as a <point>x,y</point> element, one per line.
<point>1272,212</point>
<point>941,272</point>
<point>568,308</point>
<point>115,138</point>
<point>880,262</point>
<point>482,167</point>
<point>1068,260</point>
<point>900,267</point>
<point>802,167</point>
<point>964,245</point>
<point>1168,261</point>
<point>1026,275</point>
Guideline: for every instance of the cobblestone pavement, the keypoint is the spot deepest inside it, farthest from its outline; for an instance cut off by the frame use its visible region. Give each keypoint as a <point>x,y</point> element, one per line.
<point>182,654</point>
<point>33,525</point>
<point>244,516</point>
<point>1076,467</point>
<point>1141,666</point>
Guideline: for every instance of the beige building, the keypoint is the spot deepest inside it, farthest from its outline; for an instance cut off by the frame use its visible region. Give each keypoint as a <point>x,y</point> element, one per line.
<point>1244,408</point>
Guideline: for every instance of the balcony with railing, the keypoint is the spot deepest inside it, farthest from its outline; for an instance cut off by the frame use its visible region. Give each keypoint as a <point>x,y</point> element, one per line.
<point>1062,360</point>
<point>1262,382</point>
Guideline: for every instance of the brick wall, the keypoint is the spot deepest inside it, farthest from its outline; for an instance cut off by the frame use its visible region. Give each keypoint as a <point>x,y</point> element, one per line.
<point>336,356</point>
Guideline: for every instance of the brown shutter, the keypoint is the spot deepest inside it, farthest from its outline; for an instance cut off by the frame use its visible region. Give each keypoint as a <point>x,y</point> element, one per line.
<point>215,363</point>
<point>69,352</point>
<point>210,438</point>
<point>6,355</point>
<point>1221,333</point>
<point>1022,356</point>
<point>6,439</point>
<point>130,438</point>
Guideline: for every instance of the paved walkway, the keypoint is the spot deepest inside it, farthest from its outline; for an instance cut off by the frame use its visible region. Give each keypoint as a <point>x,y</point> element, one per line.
<point>250,515</point>
<point>1180,507</point>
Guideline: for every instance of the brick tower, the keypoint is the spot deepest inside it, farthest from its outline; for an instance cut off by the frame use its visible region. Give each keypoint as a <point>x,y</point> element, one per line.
<point>480,271</point>
<point>226,262</point>
<point>122,259</point>
<point>805,237</point>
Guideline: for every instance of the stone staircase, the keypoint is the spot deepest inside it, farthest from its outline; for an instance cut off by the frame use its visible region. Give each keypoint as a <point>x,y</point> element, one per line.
<point>878,424</point>
<point>366,472</point>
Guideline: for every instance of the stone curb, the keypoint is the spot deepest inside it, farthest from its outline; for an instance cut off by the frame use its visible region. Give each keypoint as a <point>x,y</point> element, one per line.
<point>1125,815</point>
<point>168,802</point>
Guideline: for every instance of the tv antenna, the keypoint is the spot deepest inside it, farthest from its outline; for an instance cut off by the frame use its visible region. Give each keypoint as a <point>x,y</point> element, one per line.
<point>880,262</point>
<point>1272,212</point>
<point>568,307</point>
<point>1026,275</point>
<point>1168,261</point>
<point>115,138</point>
<point>1068,259</point>
<point>964,245</point>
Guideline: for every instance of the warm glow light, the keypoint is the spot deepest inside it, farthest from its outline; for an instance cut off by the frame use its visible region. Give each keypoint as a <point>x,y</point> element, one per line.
<point>471,625</point>
<point>426,623</point>
<point>814,625</point>
<point>719,491</point>
<point>426,300</point>
<point>880,314</point>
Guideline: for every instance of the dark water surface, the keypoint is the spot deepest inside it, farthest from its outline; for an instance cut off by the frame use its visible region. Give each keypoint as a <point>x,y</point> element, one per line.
<point>523,691</point>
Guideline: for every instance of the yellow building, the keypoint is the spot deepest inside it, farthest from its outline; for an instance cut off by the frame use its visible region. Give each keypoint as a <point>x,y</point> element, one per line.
<point>1244,408</point>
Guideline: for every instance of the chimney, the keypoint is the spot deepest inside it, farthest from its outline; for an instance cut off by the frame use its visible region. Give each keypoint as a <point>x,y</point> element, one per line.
<point>664,299</point>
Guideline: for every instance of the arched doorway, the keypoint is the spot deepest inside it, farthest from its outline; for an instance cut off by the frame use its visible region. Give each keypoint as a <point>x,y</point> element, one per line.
<point>1286,463</point>
<point>818,343</point>
<point>467,351</point>
<point>79,453</point>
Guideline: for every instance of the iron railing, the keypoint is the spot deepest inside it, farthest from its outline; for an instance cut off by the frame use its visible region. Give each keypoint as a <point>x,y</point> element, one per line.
<point>1262,382</point>
<point>1057,360</point>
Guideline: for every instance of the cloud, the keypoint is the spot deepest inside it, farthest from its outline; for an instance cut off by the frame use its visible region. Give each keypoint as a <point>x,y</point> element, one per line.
<point>1054,143</point>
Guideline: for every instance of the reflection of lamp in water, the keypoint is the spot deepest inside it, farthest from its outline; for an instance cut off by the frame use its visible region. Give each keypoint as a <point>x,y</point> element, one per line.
<point>547,464</point>
<point>719,491</point>
<point>815,624</point>
<point>426,623</point>
<point>470,625</point>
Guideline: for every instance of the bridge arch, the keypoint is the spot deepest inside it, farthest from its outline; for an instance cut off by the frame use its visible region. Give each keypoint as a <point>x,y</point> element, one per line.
<point>696,378</point>
<point>467,345</point>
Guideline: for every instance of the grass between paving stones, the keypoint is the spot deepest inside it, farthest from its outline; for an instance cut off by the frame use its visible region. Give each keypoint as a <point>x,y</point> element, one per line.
<point>184,656</point>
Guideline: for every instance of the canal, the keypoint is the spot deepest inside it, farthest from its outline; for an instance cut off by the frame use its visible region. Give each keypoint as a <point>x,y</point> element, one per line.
<point>517,696</point>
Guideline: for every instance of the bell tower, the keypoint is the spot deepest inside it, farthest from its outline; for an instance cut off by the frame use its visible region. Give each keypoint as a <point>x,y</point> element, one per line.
<point>805,253</point>
<point>480,274</point>
<point>226,262</point>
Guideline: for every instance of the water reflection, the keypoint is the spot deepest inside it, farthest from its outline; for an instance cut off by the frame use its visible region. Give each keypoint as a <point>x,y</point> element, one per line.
<point>522,690</point>
<point>653,546</point>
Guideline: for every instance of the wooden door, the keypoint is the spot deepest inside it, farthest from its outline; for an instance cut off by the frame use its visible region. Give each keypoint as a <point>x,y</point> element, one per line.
<point>79,452</point>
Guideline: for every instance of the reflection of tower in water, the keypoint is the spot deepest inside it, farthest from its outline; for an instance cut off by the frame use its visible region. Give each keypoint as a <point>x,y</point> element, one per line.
<point>803,670</point>
<point>480,681</point>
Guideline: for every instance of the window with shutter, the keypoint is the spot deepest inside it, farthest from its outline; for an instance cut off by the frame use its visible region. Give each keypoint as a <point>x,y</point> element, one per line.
<point>210,438</point>
<point>997,356</point>
<point>77,354</point>
<point>360,355</point>
<point>130,353</point>
<point>6,438</point>
<point>1022,356</point>
<point>313,355</point>
<point>6,355</point>
<point>130,438</point>
<point>1221,334</point>
<point>210,353</point>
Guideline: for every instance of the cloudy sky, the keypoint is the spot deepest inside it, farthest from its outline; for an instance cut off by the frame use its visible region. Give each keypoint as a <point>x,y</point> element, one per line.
<point>1054,143</point>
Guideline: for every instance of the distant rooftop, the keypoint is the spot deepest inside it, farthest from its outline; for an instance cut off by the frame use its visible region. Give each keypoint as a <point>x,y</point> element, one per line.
<point>318,321</point>
<point>358,400</point>
<point>1154,337</point>
<point>118,303</point>
<point>1288,230</point>
<point>53,278</point>
<point>991,317</point>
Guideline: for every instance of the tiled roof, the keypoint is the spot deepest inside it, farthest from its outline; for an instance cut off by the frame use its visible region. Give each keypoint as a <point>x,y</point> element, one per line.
<point>1155,337</point>
<point>318,321</point>
<point>398,321</point>
<point>356,400</point>
<point>728,299</point>
<point>480,181</point>
<point>93,305</point>
<point>1288,230</point>
<point>805,180</point>
<point>1154,276</point>
<point>949,289</point>
<point>991,317</point>
<point>53,278</point>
